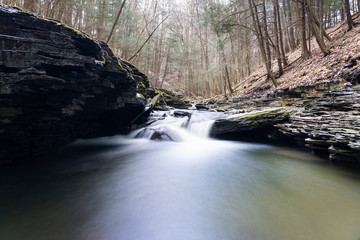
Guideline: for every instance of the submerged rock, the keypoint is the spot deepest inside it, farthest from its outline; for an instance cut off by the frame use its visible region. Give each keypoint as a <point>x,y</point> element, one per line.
<point>160,133</point>
<point>200,106</point>
<point>57,84</point>
<point>179,113</point>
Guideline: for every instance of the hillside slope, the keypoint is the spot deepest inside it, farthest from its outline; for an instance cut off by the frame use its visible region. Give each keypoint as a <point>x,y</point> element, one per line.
<point>318,68</point>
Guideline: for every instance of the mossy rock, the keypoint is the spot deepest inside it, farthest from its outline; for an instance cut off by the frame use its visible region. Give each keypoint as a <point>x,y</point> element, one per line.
<point>148,92</point>
<point>248,121</point>
<point>168,92</point>
<point>144,83</point>
<point>167,99</point>
<point>174,102</point>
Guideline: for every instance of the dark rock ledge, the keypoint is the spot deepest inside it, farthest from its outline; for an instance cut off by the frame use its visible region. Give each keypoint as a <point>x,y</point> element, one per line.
<point>234,124</point>
<point>57,84</point>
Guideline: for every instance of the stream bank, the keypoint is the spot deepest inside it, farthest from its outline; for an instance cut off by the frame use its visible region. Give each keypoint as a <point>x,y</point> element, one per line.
<point>323,117</point>
<point>58,84</point>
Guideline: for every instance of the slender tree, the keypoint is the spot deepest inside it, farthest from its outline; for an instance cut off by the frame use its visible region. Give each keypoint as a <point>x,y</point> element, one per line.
<point>288,9</point>
<point>260,36</point>
<point>315,29</point>
<point>199,51</point>
<point>276,37</point>
<point>31,5</point>
<point>301,25</point>
<point>349,19</point>
<point>116,21</point>
<point>280,33</point>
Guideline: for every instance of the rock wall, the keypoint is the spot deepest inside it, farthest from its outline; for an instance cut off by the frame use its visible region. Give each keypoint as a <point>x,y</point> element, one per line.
<point>57,84</point>
<point>330,124</point>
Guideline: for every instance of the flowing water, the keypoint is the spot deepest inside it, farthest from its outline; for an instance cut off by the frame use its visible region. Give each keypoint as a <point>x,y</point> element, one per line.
<point>119,188</point>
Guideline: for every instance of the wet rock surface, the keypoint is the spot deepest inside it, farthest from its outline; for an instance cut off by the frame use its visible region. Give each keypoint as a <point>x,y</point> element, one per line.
<point>169,100</point>
<point>178,113</point>
<point>200,106</point>
<point>331,124</point>
<point>57,84</point>
<point>324,117</point>
<point>248,121</point>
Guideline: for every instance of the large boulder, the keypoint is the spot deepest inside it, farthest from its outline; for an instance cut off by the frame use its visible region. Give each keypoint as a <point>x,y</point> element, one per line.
<point>249,121</point>
<point>57,84</point>
<point>169,99</point>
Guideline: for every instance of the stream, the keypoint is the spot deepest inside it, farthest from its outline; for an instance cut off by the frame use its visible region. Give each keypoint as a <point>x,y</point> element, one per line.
<point>192,188</point>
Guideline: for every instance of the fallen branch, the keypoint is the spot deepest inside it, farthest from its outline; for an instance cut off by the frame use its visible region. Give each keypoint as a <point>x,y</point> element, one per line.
<point>288,66</point>
<point>148,108</point>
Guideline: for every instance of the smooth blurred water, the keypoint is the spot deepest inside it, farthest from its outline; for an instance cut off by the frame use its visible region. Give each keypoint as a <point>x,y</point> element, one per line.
<point>119,188</point>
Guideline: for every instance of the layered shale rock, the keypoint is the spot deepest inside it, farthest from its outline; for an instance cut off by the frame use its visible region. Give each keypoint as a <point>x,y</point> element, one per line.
<point>58,84</point>
<point>331,124</point>
<point>324,117</point>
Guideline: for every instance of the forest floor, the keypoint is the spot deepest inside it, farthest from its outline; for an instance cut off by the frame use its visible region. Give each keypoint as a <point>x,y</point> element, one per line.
<point>318,68</point>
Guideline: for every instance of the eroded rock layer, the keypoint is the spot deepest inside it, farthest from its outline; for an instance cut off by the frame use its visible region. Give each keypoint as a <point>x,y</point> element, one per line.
<point>330,124</point>
<point>324,117</point>
<point>57,84</point>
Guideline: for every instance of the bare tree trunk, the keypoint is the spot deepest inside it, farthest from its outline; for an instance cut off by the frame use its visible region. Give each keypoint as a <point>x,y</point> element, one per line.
<point>166,66</point>
<point>68,12</point>
<point>276,36</point>
<point>300,13</point>
<point>100,21</point>
<point>31,5</point>
<point>116,20</point>
<point>309,35</point>
<point>291,28</point>
<point>226,68</point>
<point>342,13</point>
<point>350,22</point>
<point>261,41</point>
<point>248,54</point>
<point>321,17</point>
<point>315,29</point>
<point>151,34</point>
<point>280,33</point>
<point>157,59</point>
<point>319,23</point>
<point>266,33</point>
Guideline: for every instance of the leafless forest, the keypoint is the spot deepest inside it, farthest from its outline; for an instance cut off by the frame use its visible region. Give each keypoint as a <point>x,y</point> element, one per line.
<point>201,47</point>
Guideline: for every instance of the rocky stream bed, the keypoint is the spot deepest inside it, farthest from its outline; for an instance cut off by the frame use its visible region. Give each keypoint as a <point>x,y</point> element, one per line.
<point>58,84</point>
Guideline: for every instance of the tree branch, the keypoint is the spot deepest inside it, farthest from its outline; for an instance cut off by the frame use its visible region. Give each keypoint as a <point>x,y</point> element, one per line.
<point>116,20</point>
<point>151,34</point>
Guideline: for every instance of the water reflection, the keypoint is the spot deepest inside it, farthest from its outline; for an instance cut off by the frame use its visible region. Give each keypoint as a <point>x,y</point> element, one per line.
<point>120,188</point>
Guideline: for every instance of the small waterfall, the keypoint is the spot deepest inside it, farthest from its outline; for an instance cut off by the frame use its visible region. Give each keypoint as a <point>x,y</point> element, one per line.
<point>201,129</point>
<point>143,133</point>
<point>169,127</point>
